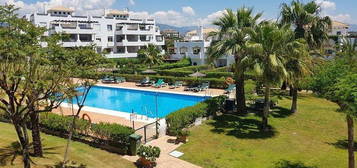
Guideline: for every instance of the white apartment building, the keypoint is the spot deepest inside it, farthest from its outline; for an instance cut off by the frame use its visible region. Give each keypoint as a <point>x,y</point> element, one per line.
<point>339,29</point>
<point>115,33</point>
<point>195,47</point>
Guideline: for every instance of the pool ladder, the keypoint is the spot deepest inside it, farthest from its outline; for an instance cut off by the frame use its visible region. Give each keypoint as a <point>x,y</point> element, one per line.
<point>147,113</point>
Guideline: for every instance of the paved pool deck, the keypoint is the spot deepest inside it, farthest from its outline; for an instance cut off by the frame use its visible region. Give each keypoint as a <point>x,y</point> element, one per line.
<point>165,160</point>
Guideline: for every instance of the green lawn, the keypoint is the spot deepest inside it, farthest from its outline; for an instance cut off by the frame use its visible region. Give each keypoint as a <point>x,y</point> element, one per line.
<point>314,137</point>
<point>81,153</point>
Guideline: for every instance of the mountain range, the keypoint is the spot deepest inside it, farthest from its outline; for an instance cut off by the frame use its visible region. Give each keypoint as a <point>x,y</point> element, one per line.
<point>353,27</point>
<point>185,29</point>
<point>182,30</point>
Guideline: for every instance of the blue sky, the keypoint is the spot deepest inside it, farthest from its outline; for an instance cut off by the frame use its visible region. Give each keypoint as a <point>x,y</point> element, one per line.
<point>188,12</point>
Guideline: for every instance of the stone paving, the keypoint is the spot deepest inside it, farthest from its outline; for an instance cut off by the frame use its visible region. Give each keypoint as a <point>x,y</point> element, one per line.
<point>165,160</point>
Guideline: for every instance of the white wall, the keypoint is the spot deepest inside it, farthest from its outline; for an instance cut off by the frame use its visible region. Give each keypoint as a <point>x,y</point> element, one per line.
<point>99,30</point>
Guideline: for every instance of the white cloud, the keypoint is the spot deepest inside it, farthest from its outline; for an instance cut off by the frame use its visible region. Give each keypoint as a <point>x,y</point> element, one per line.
<point>82,7</point>
<point>346,18</point>
<point>185,17</point>
<point>212,17</point>
<point>178,18</point>
<point>188,10</point>
<point>131,2</point>
<point>325,4</point>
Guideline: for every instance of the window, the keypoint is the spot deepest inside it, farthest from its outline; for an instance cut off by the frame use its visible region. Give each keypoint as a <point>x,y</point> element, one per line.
<point>98,39</point>
<point>109,27</point>
<point>196,50</point>
<point>55,12</point>
<point>183,50</point>
<point>59,12</point>
<point>110,38</point>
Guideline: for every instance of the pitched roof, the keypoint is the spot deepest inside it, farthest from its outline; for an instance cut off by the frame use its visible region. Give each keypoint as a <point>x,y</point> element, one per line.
<point>61,8</point>
<point>117,12</point>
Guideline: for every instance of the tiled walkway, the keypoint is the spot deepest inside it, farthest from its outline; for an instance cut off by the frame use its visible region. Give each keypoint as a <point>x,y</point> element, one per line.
<point>165,160</point>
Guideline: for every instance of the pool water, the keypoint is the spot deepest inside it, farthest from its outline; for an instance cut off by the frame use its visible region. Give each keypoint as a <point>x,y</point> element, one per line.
<point>141,102</point>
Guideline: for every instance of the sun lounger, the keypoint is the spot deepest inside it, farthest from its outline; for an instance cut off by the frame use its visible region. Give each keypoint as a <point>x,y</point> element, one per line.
<point>202,87</point>
<point>190,88</point>
<point>119,79</point>
<point>108,80</point>
<point>177,84</point>
<point>230,88</point>
<point>159,83</point>
<point>144,82</point>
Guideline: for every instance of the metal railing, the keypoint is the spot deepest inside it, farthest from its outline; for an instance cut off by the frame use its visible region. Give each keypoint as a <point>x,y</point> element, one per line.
<point>149,132</point>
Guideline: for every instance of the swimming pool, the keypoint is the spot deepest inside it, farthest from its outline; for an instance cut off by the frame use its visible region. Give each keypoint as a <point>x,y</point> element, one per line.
<point>141,102</point>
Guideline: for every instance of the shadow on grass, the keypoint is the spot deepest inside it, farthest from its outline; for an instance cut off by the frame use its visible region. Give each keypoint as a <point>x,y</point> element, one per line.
<point>290,164</point>
<point>11,152</point>
<point>280,112</point>
<point>342,144</point>
<point>276,112</point>
<point>239,127</point>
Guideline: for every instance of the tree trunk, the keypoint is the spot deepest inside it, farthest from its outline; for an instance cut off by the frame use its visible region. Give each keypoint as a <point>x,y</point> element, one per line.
<point>240,93</point>
<point>351,155</point>
<point>266,108</point>
<point>23,138</point>
<point>294,99</point>
<point>71,130</point>
<point>36,136</point>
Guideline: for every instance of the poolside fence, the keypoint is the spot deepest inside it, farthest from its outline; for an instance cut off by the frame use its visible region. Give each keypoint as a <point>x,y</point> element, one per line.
<point>152,130</point>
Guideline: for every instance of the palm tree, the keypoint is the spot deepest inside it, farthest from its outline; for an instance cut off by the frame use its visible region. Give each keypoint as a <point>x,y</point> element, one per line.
<point>268,45</point>
<point>232,40</point>
<point>151,55</point>
<point>298,64</point>
<point>349,53</point>
<point>310,26</point>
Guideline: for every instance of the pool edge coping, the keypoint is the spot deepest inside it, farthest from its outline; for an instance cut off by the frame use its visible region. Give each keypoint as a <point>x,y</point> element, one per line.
<point>159,91</point>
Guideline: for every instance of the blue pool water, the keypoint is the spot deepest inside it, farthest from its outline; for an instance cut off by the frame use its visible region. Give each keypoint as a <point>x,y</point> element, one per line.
<point>141,102</point>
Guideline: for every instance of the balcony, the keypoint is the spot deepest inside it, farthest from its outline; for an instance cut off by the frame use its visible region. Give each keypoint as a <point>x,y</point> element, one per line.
<point>121,55</point>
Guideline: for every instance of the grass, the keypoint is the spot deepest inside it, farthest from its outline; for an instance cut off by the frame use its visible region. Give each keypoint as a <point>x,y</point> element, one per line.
<point>314,137</point>
<point>54,149</point>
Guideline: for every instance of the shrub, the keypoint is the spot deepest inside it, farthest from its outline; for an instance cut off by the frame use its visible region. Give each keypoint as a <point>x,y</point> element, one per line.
<point>219,74</point>
<point>193,68</point>
<point>182,118</point>
<point>180,64</point>
<point>62,124</point>
<point>215,104</point>
<point>113,134</point>
<point>174,73</point>
<point>150,153</point>
<point>220,69</point>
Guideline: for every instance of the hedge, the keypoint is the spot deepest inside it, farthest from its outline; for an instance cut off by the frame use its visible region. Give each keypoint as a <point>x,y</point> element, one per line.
<point>193,68</point>
<point>220,69</point>
<point>113,134</point>
<point>180,64</point>
<point>58,123</point>
<point>183,118</point>
<point>174,73</point>
<point>102,133</point>
<point>219,74</point>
